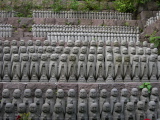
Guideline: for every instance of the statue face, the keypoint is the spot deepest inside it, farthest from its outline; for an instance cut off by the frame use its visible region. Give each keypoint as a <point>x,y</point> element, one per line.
<point>30,42</point>
<point>72,58</point>
<point>75,50</point>
<point>43,57</point>
<point>16,58</point>
<point>145,92</point>
<point>17,93</point>
<point>130,106</point>
<point>49,93</point>
<point>92,51</point>
<point>83,50</point>
<point>108,43</point>
<point>152,58</point>
<point>22,108</point>
<point>27,93</point>
<point>131,43</point>
<point>40,49</point>
<point>32,49</point>
<point>63,58</point>
<point>154,91</point>
<point>103,93</point>
<point>7,57</point>
<point>93,93</point>
<point>57,50</point>
<point>78,43</point>
<point>15,49</point>
<point>58,108</point>
<point>81,57</point>
<point>109,57</point>
<point>34,57</point>
<point>152,105</point>
<point>140,51</point>
<point>136,58</point>
<point>133,51</point>
<point>114,92</point>
<point>106,107</point>
<point>70,108</point>
<point>23,49</point>
<point>143,59</point>
<point>109,49</point>
<point>93,43</point>
<point>123,43</point>
<point>85,43</point>
<point>45,108</point>
<point>71,93</point>
<point>8,108</point>
<point>6,50</point>
<point>53,57</point>
<point>100,50</point>
<point>116,50</point>
<point>22,43</point>
<point>91,58</point>
<point>38,93</point>
<point>134,91</point>
<point>138,43</point>
<point>148,51</point>
<point>101,43</point>
<point>118,107</point>
<point>94,107</point>
<point>100,57</point>
<point>46,43</point>
<point>32,108</point>
<point>6,43</point>
<point>127,58</point>
<point>66,50</point>
<point>145,44</point>
<point>49,49</point>
<point>70,43</point>
<point>124,92</point>
<point>82,107</point>
<point>25,57</point>
<point>125,51</point>
<point>82,93</point>
<point>151,45</point>
<point>14,42</point>
<point>155,51</point>
<point>5,93</point>
<point>118,58</point>
<point>140,105</point>
<point>60,93</point>
<point>61,43</point>
<point>53,43</point>
<point>38,42</point>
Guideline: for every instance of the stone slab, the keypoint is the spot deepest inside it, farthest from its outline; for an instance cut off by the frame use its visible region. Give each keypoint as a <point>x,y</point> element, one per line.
<point>110,22</point>
<point>60,21</point>
<point>50,21</point>
<point>13,21</point>
<point>85,21</point>
<point>39,20</point>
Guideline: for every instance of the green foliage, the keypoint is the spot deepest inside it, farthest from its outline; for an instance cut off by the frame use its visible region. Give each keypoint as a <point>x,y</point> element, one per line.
<point>57,6</point>
<point>74,5</point>
<point>92,5</point>
<point>146,85</point>
<point>155,40</point>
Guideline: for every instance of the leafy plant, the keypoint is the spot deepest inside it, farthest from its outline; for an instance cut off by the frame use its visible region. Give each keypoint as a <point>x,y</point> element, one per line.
<point>92,5</point>
<point>155,40</point>
<point>57,6</point>
<point>146,85</point>
<point>74,5</point>
<point>24,116</point>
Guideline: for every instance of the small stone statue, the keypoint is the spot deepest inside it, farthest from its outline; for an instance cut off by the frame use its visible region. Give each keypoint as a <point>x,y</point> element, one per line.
<point>9,114</point>
<point>58,113</point>
<point>50,98</point>
<point>118,114</point>
<point>124,99</point>
<point>31,51</point>
<point>154,96</point>
<point>22,51</point>
<point>25,65</point>
<point>134,98</point>
<point>33,112</point>
<point>43,69</point>
<point>27,99</point>
<point>72,68</point>
<point>94,112</point>
<point>61,99</point>
<point>113,98</point>
<point>151,112</point>
<point>106,112</point>
<point>100,68</point>
<point>37,44</point>
<point>82,68</point>
<point>103,98</point>
<point>140,113</point>
<point>6,68</point>
<point>34,68</point>
<point>21,109</point>
<point>152,68</point>
<point>130,111</point>
<point>132,54</point>
<point>70,112</point>
<point>145,98</point>
<point>45,115</point>
<point>16,99</point>
<point>83,97</point>
<point>14,51</point>
<point>16,68</point>
<point>136,69</point>
<point>71,99</point>
<point>62,72</point>
<point>91,68</point>
<point>82,112</point>
<point>38,100</point>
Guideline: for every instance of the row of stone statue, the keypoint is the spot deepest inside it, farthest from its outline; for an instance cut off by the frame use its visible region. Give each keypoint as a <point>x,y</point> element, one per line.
<point>152,20</point>
<point>7,14</point>
<point>41,30</point>
<point>82,15</point>
<point>5,30</point>
<point>81,107</point>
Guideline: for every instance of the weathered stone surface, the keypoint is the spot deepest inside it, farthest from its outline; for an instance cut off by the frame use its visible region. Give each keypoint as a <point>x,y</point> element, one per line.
<point>3,20</point>
<point>1,89</point>
<point>108,87</point>
<point>97,22</point>
<point>50,21</point>
<point>152,6</point>
<point>72,22</point>
<point>110,22</point>
<point>146,14</point>
<point>85,21</point>
<point>39,20</point>
<point>26,22</point>
<point>87,87</point>
<point>121,22</point>
<point>13,21</point>
<point>140,25</point>
<point>39,38</point>
<point>25,38</point>
<point>18,34</point>
<point>129,86</point>
<point>131,23</point>
<point>28,34</point>
<point>157,85</point>
<point>60,21</point>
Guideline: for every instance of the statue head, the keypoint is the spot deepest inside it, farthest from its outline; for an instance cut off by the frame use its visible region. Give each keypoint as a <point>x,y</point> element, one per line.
<point>75,50</point>
<point>148,51</point>
<point>9,108</point>
<point>109,49</point>
<point>49,93</point>
<point>25,57</point>
<point>136,58</point>
<point>6,43</point>
<point>154,91</point>
<point>94,107</point>
<point>49,49</point>
<point>38,43</point>
<point>17,93</point>
<point>93,93</point>
<point>125,51</point>
<point>38,93</point>
<point>145,92</point>
<point>14,43</point>
<point>82,107</point>
<point>93,43</point>
<point>101,43</point>
<point>71,93</point>
<point>5,93</point>
<point>44,57</point>
<point>33,108</point>
<point>61,42</point>
<point>14,49</point>
<point>90,58</point>
<point>124,92</point>
<point>78,43</point>
<point>46,43</point>
<point>152,105</point>
<point>23,49</point>
<point>131,44</point>
<point>118,58</point>
<point>81,57</point>
<point>140,51</point>
<point>138,43</point>
<point>67,50</point>
<point>114,92</point>
<point>106,107</point>
<point>108,43</point>
<point>143,58</point>
<point>27,93</point>
<point>22,108</point>
<point>83,50</point>
<point>72,57</point>
<point>58,108</point>
<point>7,57</point>
<point>140,105</point>
<point>40,49</point>
<point>134,92</point>
<point>34,57</point>
<point>70,43</point>
<point>85,43</point>
<point>46,108</point>
<point>21,43</point>
<point>53,43</point>
<point>70,108</point>
<point>145,44</point>
<point>32,49</point>
<point>152,46</point>
<point>60,93</point>
<point>83,93</point>
<point>116,50</point>
<point>133,51</point>
<point>100,50</point>
<point>63,58</point>
<point>118,107</point>
<point>53,57</point>
<point>100,57</point>
<point>30,43</point>
<point>15,57</point>
<point>130,106</point>
<point>103,93</point>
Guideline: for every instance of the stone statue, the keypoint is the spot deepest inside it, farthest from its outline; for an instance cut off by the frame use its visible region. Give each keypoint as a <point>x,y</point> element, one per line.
<point>62,71</point>
<point>40,52</point>
<point>136,69</point>
<point>144,69</point>
<point>151,112</point>
<point>132,54</point>
<point>92,51</point>
<point>82,68</point>
<point>16,68</point>
<point>83,98</point>
<point>49,51</point>
<point>34,68</point>
<point>134,98</point>
<point>100,68</point>
<point>33,112</point>
<point>16,99</point>
<point>5,97</point>
<point>21,109</point>
<point>109,68</point>
<point>145,98</point>
<point>124,98</point>
<point>9,114</point>
<point>91,68</point>
<point>50,98</point>
<point>38,100</point>
<point>27,99</point>
<point>106,112</point>
<point>117,113</point>
<point>75,51</point>
<point>118,68</point>
<point>46,43</point>
<point>22,43</point>
<point>61,44</point>
<point>45,115</point>
<point>140,113</point>
<point>14,51</point>
<point>154,96</point>
<point>113,98</point>
<point>130,111</point>
<point>70,112</point>
<point>103,98</point>
<point>145,45</point>
<point>31,51</point>
<point>71,99</point>
<point>61,99</point>
<point>70,44</point>
<point>72,68</point>
<point>82,112</point>
<point>13,43</point>
<point>100,50</point>
<point>25,65</point>
<point>94,111</point>
<point>152,68</point>
<point>22,51</point>
<point>43,69</point>
<point>6,43</point>
<point>148,53</point>
<point>29,44</point>
<point>6,68</point>
<point>53,68</point>
<point>6,50</point>
<point>58,113</point>
<point>37,44</point>
<point>130,46</point>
